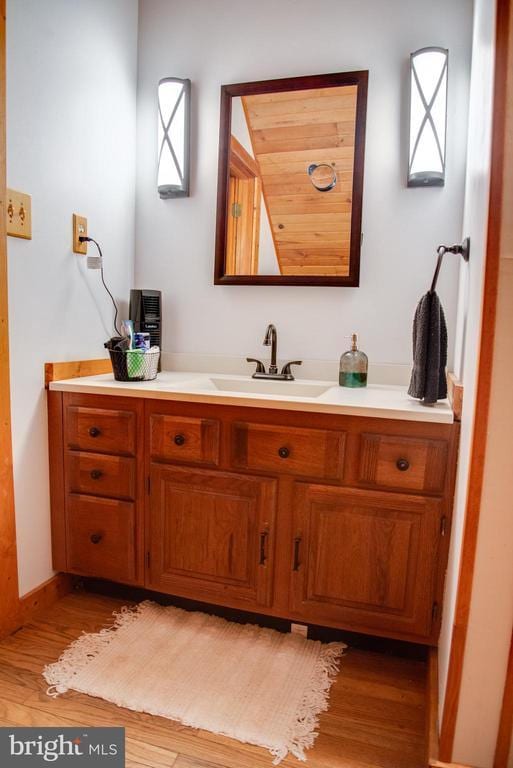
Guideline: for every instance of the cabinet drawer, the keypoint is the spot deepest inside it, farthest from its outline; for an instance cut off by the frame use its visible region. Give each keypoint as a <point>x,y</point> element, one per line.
<point>290,450</point>
<point>413,464</point>
<point>184,439</point>
<point>101,475</point>
<point>100,430</point>
<point>101,538</point>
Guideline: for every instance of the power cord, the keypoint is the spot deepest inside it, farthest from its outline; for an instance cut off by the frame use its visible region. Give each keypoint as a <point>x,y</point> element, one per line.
<point>84,239</point>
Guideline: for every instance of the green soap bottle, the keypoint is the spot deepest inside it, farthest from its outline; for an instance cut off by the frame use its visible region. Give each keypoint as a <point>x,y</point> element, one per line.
<point>353,366</point>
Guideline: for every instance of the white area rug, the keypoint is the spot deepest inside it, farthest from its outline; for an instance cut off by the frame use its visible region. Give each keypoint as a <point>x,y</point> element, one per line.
<point>256,685</point>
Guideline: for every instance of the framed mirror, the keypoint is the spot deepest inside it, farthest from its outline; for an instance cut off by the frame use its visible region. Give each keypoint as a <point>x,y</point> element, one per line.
<point>290,182</point>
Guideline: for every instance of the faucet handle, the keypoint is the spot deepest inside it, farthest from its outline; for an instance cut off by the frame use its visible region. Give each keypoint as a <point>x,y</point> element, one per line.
<point>260,367</point>
<point>285,371</point>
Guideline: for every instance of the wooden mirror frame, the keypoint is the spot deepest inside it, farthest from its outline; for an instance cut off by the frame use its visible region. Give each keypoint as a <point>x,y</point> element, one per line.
<point>228,92</point>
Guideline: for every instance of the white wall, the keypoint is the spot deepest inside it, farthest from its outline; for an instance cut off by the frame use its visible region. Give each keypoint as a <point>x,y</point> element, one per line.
<point>229,41</point>
<point>471,288</point>
<point>71,90</point>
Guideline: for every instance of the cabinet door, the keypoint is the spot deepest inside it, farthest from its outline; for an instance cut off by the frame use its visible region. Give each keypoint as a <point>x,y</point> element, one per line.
<point>365,560</point>
<point>211,535</point>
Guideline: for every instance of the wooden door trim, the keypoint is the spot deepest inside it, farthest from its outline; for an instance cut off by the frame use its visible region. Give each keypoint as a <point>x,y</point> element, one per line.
<point>242,165</point>
<point>9,595</point>
<point>504,736</point>
<point>485,367</point>
<point>432,707</point>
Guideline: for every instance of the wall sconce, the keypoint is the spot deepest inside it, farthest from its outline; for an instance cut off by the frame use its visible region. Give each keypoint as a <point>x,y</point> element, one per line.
<point>428,117</point>
<point>174,105</point>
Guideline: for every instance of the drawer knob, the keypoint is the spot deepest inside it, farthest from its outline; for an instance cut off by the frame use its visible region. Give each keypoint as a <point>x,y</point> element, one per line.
<point>402,465</point>
<point>96,538</point>
<point>94,432</point>
<point>283,452</point>
<point>96,474</point>
<point>179,439</point>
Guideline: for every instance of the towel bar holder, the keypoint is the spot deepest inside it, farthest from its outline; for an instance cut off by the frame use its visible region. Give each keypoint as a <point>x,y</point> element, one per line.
<point>462,248</point>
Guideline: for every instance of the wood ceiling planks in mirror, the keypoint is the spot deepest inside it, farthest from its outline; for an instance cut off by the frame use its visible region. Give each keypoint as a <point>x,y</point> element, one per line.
<point>294,216</point>
<point>311,230</point>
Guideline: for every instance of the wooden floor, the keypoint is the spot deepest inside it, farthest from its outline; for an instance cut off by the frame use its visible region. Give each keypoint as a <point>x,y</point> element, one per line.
<point>376,716</point>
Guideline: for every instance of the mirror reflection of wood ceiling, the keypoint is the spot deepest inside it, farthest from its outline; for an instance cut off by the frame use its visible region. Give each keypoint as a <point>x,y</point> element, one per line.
<point>289,131</point>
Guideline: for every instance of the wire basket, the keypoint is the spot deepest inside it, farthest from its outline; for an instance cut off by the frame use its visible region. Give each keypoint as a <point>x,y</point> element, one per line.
<point>134,364</point>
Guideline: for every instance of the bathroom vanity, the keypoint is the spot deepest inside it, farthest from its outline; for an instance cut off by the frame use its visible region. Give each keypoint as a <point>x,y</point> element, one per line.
<point>322,506</point>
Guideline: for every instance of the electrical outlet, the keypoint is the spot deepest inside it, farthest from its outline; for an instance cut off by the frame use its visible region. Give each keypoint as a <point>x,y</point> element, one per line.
<point>299,629</point>
<point>79,229</point>
<point>19,214</point>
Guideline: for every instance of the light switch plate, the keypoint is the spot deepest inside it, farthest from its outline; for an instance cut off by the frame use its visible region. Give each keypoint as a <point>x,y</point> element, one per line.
<point>79,229</point>
<point>19,214</point>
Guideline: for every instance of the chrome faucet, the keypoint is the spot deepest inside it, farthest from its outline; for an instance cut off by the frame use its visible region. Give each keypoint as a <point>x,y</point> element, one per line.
<point>271,340</point>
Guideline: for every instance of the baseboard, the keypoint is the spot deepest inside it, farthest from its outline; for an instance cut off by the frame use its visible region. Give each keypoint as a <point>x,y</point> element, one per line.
<point>432,708</point>
<point>45,595</point>
<point>438,764</point>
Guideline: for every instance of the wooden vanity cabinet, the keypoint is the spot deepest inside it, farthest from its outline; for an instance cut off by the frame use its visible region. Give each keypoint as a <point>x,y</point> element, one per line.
<point>340,521</point>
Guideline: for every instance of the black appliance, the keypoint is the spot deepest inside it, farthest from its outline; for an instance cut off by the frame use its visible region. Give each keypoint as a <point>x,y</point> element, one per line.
<point>146,313</point>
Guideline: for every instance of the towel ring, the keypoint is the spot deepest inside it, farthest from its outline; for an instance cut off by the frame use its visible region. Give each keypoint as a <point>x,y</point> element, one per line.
<point>462,248</point>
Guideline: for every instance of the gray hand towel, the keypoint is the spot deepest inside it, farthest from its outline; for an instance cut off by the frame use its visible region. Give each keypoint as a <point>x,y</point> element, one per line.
<point>428,378</point>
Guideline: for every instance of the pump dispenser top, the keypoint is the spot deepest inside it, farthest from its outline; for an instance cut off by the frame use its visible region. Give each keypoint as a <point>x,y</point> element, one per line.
<point>353,366</point>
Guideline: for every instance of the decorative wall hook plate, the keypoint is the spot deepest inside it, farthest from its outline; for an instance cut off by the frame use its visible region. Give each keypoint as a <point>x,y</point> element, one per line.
<point>323,176</point>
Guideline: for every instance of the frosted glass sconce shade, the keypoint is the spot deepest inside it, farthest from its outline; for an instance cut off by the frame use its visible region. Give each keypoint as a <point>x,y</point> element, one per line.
<point>428,117</point>
<point>174,105</point>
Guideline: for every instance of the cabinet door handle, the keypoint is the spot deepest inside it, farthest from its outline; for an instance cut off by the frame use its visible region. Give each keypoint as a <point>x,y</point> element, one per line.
<point>94,432</point>
<point>297,544</point>
<point>283,452</point>
<point>402,465</point>
<point>96,538</point>
<point>96,474</point>
<point>263,541</point>
<point>179,439</point>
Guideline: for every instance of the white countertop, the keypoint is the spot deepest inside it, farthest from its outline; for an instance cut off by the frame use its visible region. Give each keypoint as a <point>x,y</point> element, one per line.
<point>376,400</point>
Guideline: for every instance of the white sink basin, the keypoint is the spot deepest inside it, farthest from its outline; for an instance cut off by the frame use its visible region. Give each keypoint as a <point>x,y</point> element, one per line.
<point>263,387</point>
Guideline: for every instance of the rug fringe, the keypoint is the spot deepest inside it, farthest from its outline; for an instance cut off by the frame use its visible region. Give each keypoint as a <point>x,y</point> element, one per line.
<point>59,675</point>
<point>315,701</point>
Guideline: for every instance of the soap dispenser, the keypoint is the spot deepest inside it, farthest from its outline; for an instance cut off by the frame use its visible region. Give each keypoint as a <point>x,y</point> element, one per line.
<point>353,366</point>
